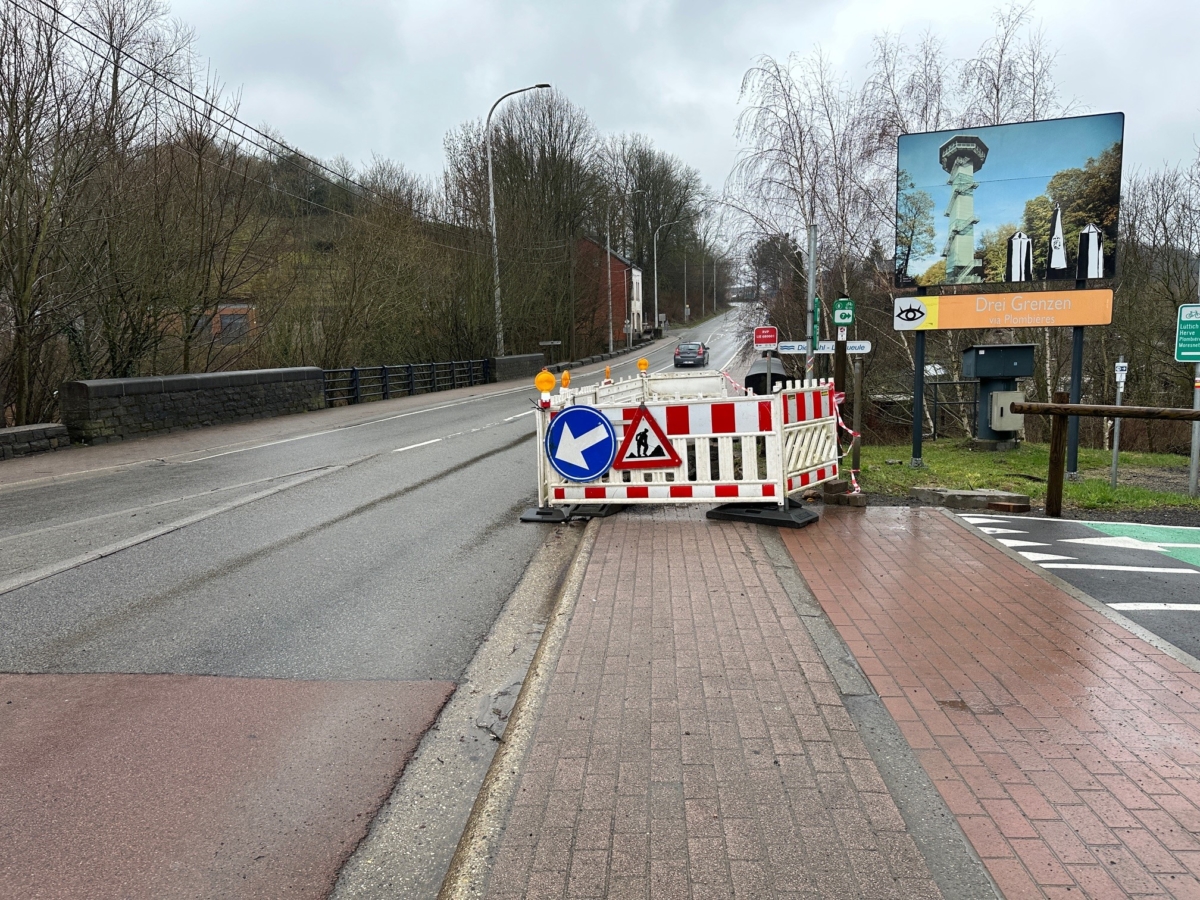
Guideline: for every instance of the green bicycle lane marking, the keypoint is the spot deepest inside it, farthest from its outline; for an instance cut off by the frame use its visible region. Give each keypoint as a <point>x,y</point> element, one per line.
<point>1178,542</point>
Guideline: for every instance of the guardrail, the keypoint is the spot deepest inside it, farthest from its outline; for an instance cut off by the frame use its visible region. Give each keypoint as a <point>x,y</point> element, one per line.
<point>1061,410</point>
<point>363,384</point>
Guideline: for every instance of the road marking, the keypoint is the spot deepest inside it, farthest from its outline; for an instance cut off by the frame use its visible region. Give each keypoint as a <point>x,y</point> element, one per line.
<point>1097,568</point>
<point>983,520</point>
<point>415,446</point>
<point>1013,542</point>
<point>137,510</point>
<point>20,581</point>
<point>1042,557</point>
<point>1141,607</point>
<point>528,412</point>
<point>1003,531</point>
<point>1128,543</point>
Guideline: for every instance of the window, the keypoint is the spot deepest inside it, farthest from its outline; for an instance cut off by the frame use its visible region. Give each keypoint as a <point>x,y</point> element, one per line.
<point>234,327</point>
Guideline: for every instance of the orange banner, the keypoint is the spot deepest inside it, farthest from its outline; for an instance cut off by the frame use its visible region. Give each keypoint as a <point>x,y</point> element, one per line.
<point>1036,309</point>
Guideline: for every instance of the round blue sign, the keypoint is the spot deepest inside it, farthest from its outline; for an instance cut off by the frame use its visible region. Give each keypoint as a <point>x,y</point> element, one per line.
<point>581,443</point>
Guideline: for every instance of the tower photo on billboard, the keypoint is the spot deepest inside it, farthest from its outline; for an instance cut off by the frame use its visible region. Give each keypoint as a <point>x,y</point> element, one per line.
<point>1032,201</point>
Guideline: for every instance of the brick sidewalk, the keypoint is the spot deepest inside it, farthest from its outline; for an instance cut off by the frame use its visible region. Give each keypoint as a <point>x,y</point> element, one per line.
<point>693,743</point>
<point>1068,749</point>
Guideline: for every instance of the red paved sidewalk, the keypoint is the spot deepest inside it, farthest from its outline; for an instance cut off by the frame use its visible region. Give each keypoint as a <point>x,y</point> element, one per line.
<point>1068,749</point>
<point>693,743</point>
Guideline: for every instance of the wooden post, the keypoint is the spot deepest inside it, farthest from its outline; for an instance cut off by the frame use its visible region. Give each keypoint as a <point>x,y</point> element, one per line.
<point>1058,460</point>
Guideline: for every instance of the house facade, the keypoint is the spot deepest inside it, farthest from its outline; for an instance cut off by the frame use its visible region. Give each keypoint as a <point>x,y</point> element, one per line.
<point>592,281</point>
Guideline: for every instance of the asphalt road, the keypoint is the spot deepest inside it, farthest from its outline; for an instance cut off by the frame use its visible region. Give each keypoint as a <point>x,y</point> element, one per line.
<point>1149,573</point>
<point>371,547</point>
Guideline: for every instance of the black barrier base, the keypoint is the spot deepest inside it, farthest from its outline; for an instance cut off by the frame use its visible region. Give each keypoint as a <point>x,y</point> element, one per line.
<point>551,514</point>
<point>556,514</point>
<point>793,515</point>
<point>596,510</point>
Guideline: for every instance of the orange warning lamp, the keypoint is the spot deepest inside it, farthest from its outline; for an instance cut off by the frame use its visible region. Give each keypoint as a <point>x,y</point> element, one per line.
<point>566,379</point>
<point>643,364</point>
<point>544,382</point>
<point>608,373</point>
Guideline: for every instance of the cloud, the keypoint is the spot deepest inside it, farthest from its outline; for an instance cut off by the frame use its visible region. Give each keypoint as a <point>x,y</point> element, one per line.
<point>391,77</point>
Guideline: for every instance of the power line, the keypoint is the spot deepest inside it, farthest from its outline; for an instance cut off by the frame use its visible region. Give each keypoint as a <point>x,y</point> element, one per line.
<point>208,114</point>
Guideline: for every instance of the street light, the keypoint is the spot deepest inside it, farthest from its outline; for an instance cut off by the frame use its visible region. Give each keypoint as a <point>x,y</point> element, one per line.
<point>656,230</point>
<point>492,209</point>
<point>608,263</point>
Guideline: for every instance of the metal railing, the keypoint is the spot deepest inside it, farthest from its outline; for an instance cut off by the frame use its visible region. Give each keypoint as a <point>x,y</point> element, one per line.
<point>363,384</point>
<point>940,405</point>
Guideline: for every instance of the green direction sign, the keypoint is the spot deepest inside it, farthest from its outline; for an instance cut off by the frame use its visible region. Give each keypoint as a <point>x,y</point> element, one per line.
<point>843,311</point>
<point>1187,333</point>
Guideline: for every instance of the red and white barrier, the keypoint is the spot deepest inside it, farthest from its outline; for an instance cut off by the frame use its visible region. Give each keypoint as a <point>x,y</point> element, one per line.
<point>747,448</point>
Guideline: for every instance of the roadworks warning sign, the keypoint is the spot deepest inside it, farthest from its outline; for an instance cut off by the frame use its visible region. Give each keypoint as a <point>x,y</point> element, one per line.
<point>646,445</point>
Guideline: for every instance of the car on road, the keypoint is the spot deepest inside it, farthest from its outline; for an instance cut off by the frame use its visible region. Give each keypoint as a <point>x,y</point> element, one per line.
<point>691,353</point>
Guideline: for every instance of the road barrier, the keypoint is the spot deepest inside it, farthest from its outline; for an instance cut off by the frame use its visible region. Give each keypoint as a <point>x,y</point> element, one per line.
<point>685,438</point>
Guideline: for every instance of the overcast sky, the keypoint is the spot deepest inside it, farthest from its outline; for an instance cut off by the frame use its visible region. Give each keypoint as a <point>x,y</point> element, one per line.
<point>391,77</point>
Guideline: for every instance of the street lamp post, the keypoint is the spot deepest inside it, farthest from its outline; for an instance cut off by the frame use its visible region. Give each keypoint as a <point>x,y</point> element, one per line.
<point>656,230</point>
<point>608,264</point>
<point>487,128</point>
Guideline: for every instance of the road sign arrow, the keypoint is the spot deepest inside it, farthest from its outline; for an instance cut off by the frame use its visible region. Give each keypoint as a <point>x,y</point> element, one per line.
<point>570,448</point>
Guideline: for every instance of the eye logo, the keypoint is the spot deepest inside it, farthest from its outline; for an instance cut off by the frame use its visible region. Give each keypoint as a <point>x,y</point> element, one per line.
<point>913,313</point>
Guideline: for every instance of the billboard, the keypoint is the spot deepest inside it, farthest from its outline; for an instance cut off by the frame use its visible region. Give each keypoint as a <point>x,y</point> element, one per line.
<point>1032,201</point>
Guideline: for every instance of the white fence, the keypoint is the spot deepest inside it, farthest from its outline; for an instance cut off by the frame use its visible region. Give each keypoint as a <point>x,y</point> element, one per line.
<point>729,448</point>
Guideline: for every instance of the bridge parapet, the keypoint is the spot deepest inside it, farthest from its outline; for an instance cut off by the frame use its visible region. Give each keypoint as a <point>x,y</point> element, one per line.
<point>113,409</point>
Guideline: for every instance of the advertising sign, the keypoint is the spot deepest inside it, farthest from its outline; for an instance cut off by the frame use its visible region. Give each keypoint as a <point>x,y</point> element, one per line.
<point>1031,201</point>
<point>1041,309</point>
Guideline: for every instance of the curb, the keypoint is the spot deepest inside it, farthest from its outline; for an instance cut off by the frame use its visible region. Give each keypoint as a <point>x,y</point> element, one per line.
<point>471,865</point>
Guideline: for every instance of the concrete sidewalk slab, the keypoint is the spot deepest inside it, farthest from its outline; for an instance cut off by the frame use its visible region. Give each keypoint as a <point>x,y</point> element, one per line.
<point>1067,747</point>
<point>693,742</point>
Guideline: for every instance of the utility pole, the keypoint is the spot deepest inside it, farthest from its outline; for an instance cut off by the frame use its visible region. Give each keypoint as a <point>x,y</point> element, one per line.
<point>685,306</point>
<point>656,231</point>
<point>812,293</point>
<point>608,265</point>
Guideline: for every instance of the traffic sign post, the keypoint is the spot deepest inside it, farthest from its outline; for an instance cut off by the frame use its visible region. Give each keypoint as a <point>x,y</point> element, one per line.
<point>581,443</point>
<point>843,311</point>
<point>1120,371</point>
<point>766,338</point>
<point>1187,333</point>
<point>854,348</point>
<point>1187,349</point>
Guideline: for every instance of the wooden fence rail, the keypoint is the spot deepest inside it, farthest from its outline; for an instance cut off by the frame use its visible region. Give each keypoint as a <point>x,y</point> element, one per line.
<point>1061,410</point>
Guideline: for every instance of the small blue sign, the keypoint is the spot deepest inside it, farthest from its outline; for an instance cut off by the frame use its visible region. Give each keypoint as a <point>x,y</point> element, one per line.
<point>581,443</point>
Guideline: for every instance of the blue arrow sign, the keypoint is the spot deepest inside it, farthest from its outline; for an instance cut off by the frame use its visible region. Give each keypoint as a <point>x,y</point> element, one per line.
<point>581,443</point>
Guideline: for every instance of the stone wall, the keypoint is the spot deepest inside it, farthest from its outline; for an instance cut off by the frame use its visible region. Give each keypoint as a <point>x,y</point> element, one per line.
<point>98,412</point>
<point>26,439</point>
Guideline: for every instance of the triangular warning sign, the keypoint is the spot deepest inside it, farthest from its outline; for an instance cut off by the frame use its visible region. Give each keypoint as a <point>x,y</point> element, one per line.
<point>645,445</point>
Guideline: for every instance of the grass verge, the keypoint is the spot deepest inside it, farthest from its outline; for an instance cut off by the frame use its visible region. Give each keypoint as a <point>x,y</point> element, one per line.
<point>1145,480</point>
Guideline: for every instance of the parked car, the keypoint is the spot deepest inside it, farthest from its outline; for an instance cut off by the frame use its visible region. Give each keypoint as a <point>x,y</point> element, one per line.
<point>691,353</point>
